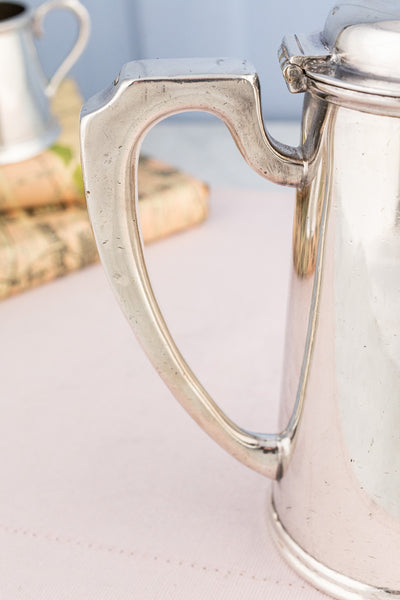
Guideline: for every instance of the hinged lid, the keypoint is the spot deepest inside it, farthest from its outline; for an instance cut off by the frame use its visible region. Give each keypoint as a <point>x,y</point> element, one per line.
<point>358,49</point>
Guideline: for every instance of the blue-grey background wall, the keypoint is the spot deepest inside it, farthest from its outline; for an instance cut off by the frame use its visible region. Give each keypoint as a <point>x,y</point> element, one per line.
<point>123,30</point>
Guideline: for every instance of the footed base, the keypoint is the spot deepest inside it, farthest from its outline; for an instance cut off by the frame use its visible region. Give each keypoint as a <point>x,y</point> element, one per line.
<point>324,579</point>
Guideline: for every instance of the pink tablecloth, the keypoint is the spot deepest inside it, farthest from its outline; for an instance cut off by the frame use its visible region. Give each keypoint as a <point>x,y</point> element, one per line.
<point>108,489</point>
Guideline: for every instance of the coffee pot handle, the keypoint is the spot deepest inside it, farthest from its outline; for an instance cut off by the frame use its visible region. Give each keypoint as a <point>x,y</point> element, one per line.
<point>113,125</point>
<point>83,18</point>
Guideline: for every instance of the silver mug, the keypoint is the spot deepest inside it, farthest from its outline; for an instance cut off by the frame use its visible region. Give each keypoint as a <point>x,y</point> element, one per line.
<point>27,124</point>
<point>335,505</point>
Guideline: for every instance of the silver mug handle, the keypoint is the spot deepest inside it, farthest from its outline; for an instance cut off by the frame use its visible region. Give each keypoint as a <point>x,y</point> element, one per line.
<point>83,18</point>
<point>113,125</point>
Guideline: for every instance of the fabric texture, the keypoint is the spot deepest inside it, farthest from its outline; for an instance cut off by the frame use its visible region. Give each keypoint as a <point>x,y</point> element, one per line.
<point>109,490</point>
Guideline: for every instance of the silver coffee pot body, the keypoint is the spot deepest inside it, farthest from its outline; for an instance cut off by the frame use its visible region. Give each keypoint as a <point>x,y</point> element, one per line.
<point>27,125</point>
<point>335,506</point>
<point>339,495</point>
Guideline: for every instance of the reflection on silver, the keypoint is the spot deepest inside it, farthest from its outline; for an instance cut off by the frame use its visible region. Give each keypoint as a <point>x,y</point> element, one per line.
<point>339,497</point>
<point>335,511</point>
<point>145,92</point>
<point>27,125</point>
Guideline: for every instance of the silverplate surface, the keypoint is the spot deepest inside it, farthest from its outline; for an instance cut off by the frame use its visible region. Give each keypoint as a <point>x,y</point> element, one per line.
<point>27,125</point>
<point>335,460</point>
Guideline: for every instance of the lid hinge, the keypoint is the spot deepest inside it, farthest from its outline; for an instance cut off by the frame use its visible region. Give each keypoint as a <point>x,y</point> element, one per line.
<point>298,54</point>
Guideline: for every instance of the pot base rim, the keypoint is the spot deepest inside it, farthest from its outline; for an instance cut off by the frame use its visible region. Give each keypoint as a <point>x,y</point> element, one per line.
<point>317,574</point>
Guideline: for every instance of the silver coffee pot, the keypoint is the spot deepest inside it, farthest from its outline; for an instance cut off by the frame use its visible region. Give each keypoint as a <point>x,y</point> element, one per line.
<point>27,125</point>
<point>335,506</point>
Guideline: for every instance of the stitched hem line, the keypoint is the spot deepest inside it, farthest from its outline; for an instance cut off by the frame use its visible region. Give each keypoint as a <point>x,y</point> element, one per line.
<point>127,553</point>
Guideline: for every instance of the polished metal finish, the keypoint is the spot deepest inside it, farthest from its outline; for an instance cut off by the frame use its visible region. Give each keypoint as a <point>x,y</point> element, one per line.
<point>358,50</point>
<point>115,122</point>
<point>27,125</point>
<point>325,579</point>
<point>335,511</point>
<point>338,499</point>
<point>300,54</point>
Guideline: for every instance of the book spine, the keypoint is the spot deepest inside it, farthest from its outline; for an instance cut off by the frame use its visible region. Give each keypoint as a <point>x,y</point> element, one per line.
<point>39,245</point>
<point>55,175</point>
<point>41,180</point>
<point>36,248</point>
<point>174,209</point>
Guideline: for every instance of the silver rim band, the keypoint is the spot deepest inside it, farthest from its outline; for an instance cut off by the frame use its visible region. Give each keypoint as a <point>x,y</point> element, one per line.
<point>324,579</point>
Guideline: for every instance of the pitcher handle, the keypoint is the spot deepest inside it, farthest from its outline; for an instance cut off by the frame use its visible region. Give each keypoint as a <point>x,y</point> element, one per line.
<point>113,125</point>
<point>83,18</point>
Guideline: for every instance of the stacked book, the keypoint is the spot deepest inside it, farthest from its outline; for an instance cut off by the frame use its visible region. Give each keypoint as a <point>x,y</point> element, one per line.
<point>44,227</point>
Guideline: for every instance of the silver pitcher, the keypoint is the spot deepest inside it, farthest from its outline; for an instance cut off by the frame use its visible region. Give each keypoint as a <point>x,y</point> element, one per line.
<point>335,506</point>
<point>27,125</point>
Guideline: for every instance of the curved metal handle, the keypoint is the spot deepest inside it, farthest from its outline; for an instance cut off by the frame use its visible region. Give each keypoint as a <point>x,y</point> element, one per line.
<point>84,30</point>
<point>113,126</point>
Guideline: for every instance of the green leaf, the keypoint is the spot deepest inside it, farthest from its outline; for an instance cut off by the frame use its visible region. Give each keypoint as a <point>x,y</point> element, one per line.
<point>64,152</point>
<point>77,178</point>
